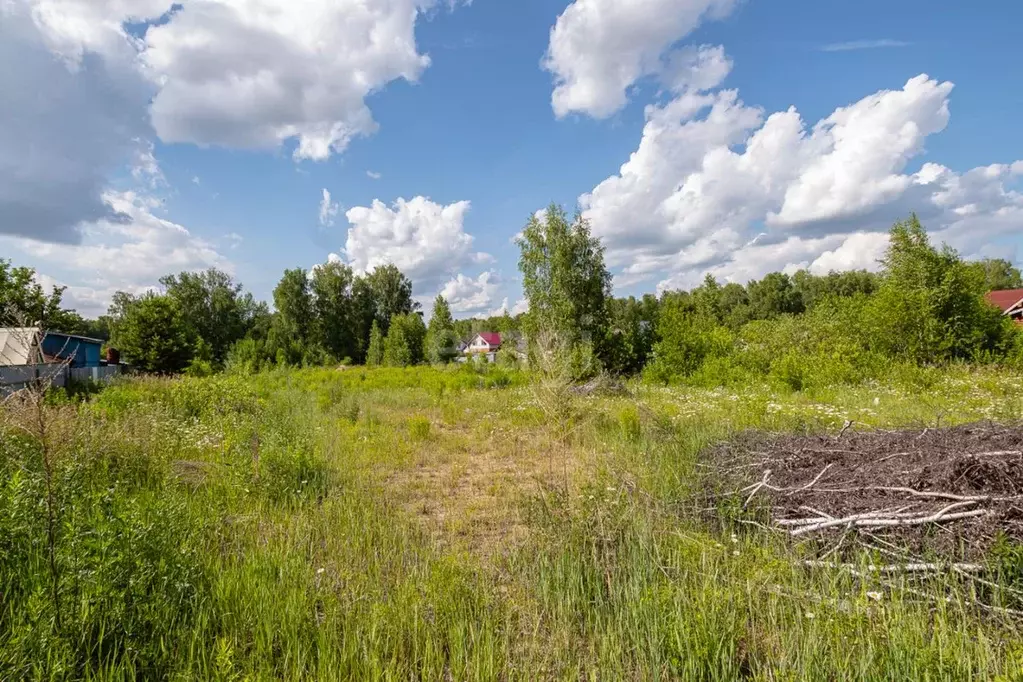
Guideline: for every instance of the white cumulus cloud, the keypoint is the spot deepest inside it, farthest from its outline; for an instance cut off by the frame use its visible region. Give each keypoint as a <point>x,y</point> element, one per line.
<point>715,186</point>
<point>471,295</point>
<point>520,306</point>
<point>130,253</point>
<point>426,240</point>
<point>65,125</point>
<point>254,73</point>
<point>599,48</point>
<point>83,96</point>
<point>249,73</point>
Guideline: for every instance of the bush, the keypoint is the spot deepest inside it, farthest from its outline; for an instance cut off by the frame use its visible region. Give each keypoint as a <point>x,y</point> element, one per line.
<point>688,337</point>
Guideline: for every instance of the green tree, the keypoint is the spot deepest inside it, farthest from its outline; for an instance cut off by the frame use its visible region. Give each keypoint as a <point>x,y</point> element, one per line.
<point>23,301</point>
<point>565,280</point>
<point>814,289</point>
<point>153,335</point>
<point>392,294</point>
<point>214,308</point>
<point>630,339</point>
<point>334,308</point>
<point>291,340</point>
<point>375,351</point>
<point>930,306</point>
<point>998,274</point>
<point>363,316</point>
<point>688,334</point>
<point>440,335</point>
<point>773,296</point>
<point>403,345</point>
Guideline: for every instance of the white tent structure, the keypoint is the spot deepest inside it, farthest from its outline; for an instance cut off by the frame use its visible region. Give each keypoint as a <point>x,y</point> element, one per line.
<point>20,346</point>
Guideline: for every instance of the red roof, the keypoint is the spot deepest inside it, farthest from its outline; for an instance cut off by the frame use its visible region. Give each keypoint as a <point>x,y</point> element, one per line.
<point>1005,299</point>
<point>492,338</point>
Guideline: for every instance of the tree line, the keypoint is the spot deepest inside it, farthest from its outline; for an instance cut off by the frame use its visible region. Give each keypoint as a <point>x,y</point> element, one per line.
<point>924,306</point>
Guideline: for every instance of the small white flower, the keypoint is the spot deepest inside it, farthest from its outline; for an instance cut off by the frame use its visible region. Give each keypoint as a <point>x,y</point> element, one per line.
<point>319,571</point>
<point>876,596</point>
<point>809,615</point>
<point>735,552</point>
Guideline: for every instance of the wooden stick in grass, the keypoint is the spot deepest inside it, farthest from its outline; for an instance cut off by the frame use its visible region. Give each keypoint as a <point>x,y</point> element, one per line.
<point>897,568</point>
<point>868,520</point>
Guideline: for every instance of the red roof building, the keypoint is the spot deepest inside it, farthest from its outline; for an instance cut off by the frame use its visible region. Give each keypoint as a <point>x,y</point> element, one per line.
<point>1009,301</point>
<point>484,342</point>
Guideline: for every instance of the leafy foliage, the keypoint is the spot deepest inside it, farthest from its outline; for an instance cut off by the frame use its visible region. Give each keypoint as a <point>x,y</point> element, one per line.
<point>998,273</point>
<point>214,308</point>
<point>565,279</point>
<point>403,345</point>
<point>24,302</point>
<point>392,294</point>
<point>154,335</point>
<point>441,344</point>
<point>375,353</point>
<point>291,333</point>
<point>334,307</point>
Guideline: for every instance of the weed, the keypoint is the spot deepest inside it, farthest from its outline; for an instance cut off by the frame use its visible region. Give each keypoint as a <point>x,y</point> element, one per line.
<point>419,428</point>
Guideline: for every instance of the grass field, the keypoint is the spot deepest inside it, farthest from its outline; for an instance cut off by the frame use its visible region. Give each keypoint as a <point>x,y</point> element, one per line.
<point>434,524</point>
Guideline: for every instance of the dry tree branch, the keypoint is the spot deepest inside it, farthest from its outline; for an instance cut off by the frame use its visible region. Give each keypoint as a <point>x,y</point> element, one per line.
<point>872,520</point>
<point>918,567</point>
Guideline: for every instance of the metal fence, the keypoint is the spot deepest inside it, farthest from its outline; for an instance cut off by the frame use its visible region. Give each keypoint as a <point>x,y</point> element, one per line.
<point>16,377</point>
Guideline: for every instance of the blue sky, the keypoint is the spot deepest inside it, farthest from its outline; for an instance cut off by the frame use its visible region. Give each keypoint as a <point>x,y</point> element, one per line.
<point>148,122</point>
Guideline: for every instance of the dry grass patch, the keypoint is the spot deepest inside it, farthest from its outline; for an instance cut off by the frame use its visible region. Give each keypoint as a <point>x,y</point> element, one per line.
<point>467,484</point>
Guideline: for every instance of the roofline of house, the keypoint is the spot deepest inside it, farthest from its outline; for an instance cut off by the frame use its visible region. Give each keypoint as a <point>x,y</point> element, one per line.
<point>77,336</point>
<point>1014,308</point>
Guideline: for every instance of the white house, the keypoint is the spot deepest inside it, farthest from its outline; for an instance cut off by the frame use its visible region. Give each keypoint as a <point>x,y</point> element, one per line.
<point>484,342</point>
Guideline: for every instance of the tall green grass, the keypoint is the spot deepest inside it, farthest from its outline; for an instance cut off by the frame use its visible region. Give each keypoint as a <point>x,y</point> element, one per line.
<point>236,528</point>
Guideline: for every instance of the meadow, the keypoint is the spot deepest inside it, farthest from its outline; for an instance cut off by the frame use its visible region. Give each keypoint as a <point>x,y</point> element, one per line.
<point>457,524</point>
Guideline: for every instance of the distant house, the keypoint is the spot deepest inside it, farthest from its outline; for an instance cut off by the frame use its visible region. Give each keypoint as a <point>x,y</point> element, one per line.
<point>1009,301</point>
<point>77,351</point>
<point>484,345</point>
<point>484,342</point>
<point>27,356</point>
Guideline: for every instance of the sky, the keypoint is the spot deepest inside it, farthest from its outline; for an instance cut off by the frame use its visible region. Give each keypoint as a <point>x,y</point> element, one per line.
<point>140,138</point>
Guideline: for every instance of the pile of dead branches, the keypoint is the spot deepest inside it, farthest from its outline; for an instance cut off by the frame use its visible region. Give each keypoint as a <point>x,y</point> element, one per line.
<point>927,502</point>
<point>951,490</point>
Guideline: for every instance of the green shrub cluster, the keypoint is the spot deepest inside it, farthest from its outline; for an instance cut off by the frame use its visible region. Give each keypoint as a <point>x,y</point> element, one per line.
<point>926,308</point>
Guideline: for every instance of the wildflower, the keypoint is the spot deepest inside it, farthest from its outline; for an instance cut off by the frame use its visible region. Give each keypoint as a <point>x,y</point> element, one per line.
<point>876,596</point>
<point>735,552</point>
<point>320,571</point>
<point>809,615</point>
